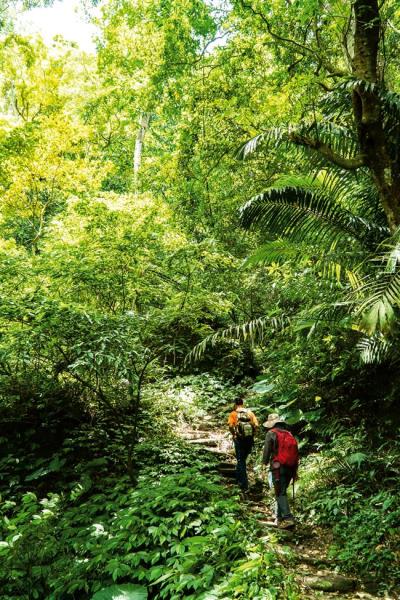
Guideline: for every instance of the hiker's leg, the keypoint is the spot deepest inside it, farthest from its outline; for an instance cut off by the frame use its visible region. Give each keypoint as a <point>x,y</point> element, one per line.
<point>247,446</point>
<point>241,474</point>
<point>250,445</point>
<point>283,502</point>
<point>275,477</point>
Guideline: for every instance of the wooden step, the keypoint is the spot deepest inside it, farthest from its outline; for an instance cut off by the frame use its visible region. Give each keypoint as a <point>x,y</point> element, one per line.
<point>204,442</point>
<point>192,435</point>
<point>327,581</point>
<point>215,451</point>
<point>226,465</point>
<point>228,473</point>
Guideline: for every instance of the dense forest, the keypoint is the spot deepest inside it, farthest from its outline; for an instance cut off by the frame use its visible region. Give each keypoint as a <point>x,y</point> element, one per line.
<point>206,208</point>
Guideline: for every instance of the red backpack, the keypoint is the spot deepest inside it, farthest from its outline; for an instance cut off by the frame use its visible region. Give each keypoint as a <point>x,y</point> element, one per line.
<point>288,451</point>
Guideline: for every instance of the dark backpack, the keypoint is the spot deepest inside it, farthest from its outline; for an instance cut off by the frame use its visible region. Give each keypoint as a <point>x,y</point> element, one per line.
<point>288,452</point>
<point>244,428</point>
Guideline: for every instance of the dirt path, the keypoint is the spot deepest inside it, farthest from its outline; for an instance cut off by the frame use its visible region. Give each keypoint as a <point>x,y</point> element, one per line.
<point>305,551</point>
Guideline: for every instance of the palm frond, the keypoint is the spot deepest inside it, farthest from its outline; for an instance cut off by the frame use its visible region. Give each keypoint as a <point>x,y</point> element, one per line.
<point>339,138</point>
<point>328,264</point>
<point>278,251</point>
<point>390,107</point>
<point>336,106</point>
<point>338,313</point>
<point>364,199</point>
<point>253,331</point>
<point>307,215</point>
<point>375,350</point>
<point>381,296</point>
<point>389,100</point>
<point>297,139</point>
<point>378,297</point>
<point>272,137</point>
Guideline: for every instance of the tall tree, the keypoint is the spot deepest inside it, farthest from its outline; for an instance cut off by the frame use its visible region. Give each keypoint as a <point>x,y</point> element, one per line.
<point>345,49</point>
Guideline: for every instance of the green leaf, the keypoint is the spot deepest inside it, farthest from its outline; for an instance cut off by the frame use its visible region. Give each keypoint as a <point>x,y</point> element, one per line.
<point>127,591</point>
<point>357,458</point>
<point>262,387</point>
<point>294,416</point>
<point>164,577</point>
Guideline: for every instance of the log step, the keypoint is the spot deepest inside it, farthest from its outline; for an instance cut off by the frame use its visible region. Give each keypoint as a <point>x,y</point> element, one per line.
<point>330,582</point>
<point>204,442</point>
<point>228,473</point>
<point>226,465</point>
<point>215,451</point>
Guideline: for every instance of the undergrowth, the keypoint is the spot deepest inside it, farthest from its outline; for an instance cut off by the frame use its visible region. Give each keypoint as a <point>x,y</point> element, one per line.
<point>351,486</point>
<point>180,536</point>
<point>73,525</point>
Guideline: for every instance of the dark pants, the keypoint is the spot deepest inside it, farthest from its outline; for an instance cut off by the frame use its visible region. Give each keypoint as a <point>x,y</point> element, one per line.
<point>242,449</point>
<point>281,479</point>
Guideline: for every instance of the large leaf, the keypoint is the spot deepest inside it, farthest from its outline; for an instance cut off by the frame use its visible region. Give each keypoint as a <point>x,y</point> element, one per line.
<point>126,591</point>
<point>54,466</point>
<point>263,386</point>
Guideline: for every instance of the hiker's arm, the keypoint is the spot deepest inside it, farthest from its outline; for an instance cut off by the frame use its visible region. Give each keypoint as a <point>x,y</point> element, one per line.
<point>269,447</point>
<point>253,421</point>
<point>232,422</point>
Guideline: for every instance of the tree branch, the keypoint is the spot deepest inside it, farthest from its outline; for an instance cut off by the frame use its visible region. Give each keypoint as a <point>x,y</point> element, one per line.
<point>350,164</point>
<point>304,49</point>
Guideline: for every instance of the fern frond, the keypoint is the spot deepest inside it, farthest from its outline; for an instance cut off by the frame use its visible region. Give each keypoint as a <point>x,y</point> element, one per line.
<point>278,251</point>
<point>328,264</point>
<point>375,350</point>
<point>252,332</point>
<point>306,215</point>
<point>378,297</point>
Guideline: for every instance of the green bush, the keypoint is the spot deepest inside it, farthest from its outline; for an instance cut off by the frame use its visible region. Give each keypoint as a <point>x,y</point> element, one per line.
<point>350,487</point>
<point>180,536</point>
<point>368,539</point>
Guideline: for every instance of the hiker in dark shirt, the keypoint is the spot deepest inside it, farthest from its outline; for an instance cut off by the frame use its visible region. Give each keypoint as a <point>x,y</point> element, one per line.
<point>243,425</point>
<point>281,454</point>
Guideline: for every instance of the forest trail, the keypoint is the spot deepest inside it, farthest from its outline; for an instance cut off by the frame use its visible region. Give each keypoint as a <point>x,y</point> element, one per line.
<point>304,551</point>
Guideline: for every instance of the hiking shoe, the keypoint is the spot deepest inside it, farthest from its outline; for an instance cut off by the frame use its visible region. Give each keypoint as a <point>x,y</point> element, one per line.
<point>287,524</point>
<point>244,493</point>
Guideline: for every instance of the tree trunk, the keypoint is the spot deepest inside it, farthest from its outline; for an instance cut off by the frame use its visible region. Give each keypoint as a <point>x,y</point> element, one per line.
<point>143,126</point>
<point>367,109</point>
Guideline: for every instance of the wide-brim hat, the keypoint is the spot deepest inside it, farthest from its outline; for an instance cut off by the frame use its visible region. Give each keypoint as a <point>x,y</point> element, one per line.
<point>272,420</point>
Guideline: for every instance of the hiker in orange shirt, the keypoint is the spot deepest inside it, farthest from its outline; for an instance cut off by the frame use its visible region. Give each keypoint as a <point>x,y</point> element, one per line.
<point>243,426</point>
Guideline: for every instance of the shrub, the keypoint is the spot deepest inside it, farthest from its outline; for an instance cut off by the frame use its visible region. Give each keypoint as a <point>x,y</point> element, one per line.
<point>180,536</point>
